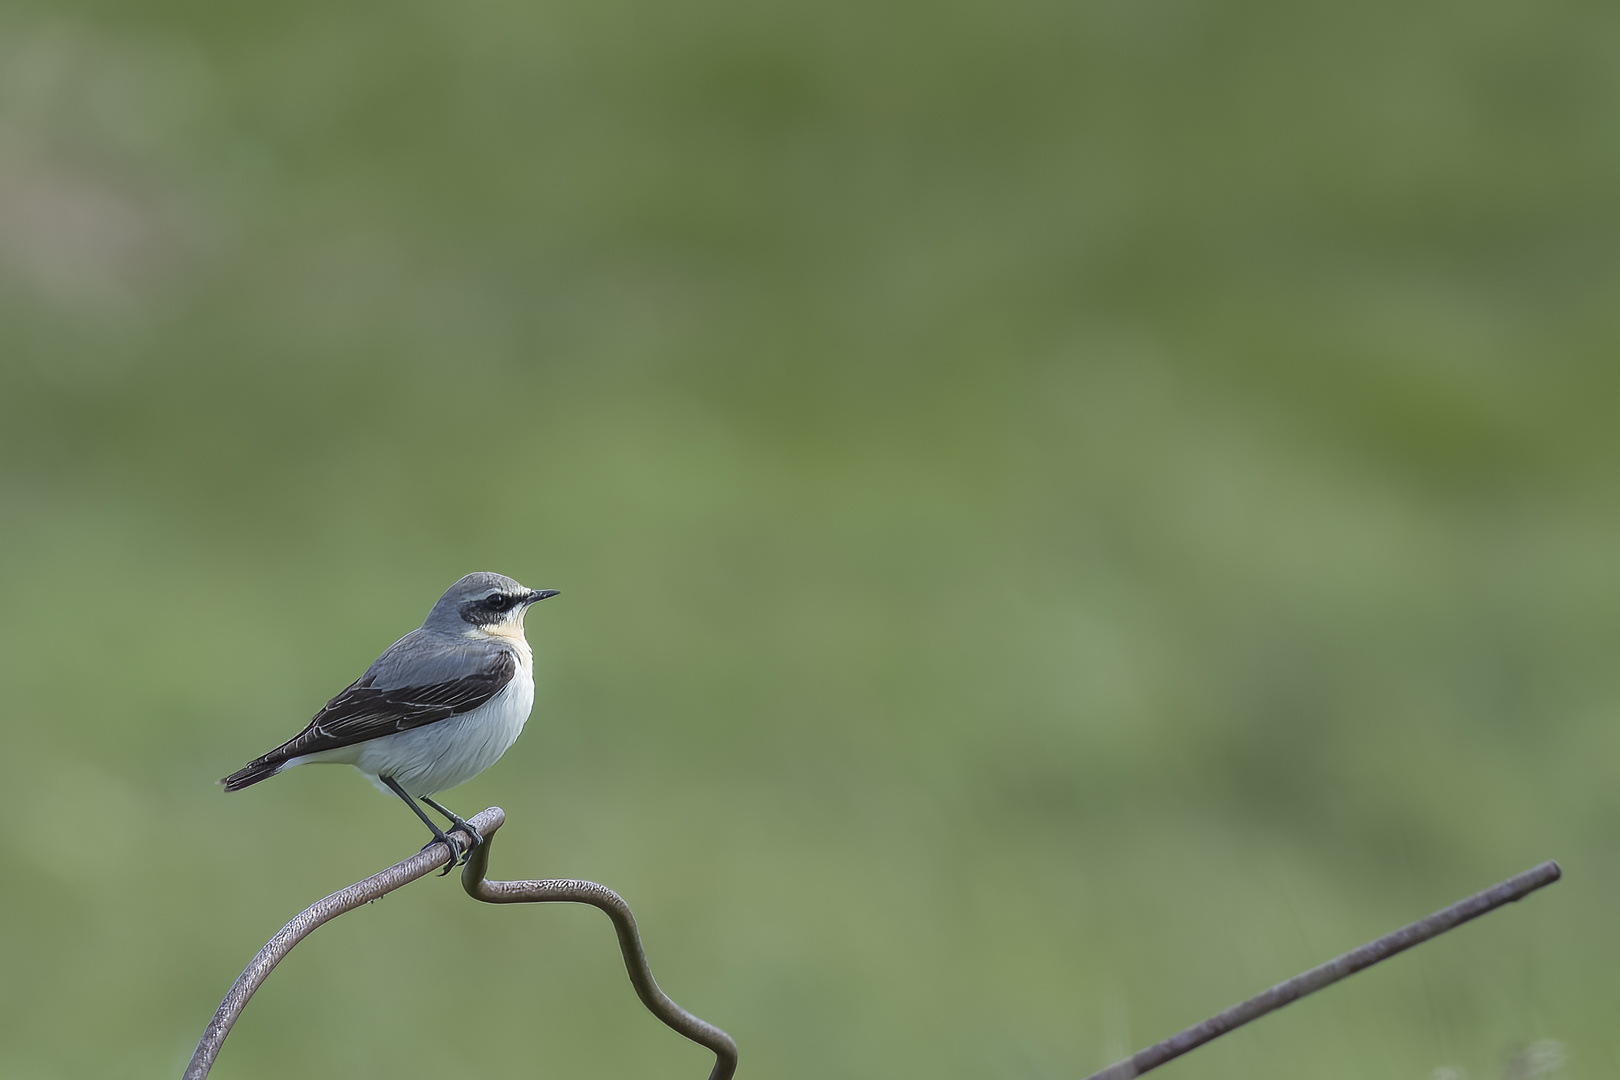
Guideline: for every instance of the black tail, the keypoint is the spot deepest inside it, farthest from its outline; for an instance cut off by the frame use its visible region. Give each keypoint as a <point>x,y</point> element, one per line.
<point>251,774</point>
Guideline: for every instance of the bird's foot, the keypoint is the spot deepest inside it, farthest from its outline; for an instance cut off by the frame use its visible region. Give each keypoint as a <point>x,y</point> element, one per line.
<point>461,823</point>
<point>457,856</point>
<point>477,837</point>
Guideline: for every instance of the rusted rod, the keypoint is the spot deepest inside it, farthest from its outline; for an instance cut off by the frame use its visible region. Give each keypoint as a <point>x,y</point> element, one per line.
<point>568,891</point>
<point>1514,888</point>
<point>421,864</point>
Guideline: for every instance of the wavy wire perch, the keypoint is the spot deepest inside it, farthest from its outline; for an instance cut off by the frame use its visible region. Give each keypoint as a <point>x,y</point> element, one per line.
<point>426,861</point>
<point>725,1050</point>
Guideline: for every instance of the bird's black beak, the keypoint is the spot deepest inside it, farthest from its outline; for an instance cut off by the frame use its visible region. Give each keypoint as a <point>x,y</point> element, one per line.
<point>538,595</point>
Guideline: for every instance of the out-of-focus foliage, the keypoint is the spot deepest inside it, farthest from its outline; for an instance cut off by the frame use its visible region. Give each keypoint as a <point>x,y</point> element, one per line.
<point>1066,513</point>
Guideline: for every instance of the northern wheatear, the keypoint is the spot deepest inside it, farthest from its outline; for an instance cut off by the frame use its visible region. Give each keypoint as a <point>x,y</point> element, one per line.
<point>440,706</point>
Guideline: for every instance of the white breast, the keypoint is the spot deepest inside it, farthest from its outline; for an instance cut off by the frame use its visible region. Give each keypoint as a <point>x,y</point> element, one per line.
<point>449,752</point>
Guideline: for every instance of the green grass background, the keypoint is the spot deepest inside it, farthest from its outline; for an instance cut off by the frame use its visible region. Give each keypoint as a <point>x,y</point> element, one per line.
<point>1067,514</point>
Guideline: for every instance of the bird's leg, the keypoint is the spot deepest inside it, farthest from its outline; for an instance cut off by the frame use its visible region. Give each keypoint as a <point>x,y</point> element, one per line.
<point>458,822</point>
<point>438,833</point>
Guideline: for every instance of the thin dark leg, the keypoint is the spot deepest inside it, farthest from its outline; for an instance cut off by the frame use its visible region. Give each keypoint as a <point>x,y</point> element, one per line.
<point>438,833</point>
<point>459,823</point>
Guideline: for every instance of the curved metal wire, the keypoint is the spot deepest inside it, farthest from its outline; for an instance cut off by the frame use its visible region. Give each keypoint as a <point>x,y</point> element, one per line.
<point>423,863</point>
<point>569,891</point>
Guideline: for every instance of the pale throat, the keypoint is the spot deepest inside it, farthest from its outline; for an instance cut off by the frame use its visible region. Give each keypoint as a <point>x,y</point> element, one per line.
<point>511,633</point>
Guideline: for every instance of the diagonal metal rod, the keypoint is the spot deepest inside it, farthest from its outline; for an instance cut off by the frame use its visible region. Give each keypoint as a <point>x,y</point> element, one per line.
<point>421,864</point>
<point>1514,888</point>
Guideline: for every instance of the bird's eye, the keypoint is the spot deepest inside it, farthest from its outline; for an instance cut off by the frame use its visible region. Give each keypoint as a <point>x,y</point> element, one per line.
<point>498,601</point>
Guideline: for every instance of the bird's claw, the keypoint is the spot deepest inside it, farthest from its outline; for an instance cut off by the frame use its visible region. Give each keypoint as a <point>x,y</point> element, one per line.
<point>477,840</point>
<point>457,856</point>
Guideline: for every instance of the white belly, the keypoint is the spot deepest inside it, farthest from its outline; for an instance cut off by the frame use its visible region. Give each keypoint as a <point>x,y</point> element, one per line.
<point>445,753</point>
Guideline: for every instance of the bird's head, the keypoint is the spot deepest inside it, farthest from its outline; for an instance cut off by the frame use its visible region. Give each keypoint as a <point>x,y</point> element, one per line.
<point>484,603</point>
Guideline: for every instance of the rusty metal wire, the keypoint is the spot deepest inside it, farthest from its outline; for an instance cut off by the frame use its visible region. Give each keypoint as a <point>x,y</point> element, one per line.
<point>425,862</point>
<point>1447,918</point>
<point>478,886</point>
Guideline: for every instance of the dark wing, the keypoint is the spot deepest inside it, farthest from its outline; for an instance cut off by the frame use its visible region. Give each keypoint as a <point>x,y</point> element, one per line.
<point>363,712</point>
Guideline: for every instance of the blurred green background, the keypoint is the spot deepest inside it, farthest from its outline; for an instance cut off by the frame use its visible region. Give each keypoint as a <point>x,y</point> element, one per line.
<point>1067,514</point>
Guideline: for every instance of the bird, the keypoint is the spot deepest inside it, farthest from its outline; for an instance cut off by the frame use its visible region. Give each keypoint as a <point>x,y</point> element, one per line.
<point>438,707</point>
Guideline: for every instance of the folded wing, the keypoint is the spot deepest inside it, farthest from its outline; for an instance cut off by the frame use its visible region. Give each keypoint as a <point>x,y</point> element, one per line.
<point>364,712</point>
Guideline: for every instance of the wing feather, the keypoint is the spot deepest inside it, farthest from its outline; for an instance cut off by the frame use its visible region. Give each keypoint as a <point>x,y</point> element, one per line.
<point>363,712</point>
